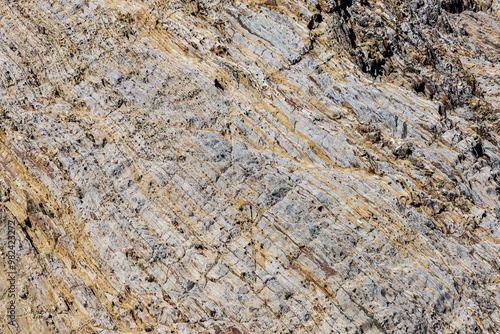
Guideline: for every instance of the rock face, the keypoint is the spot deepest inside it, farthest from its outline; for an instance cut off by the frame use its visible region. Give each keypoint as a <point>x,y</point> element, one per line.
<point>277,166</point>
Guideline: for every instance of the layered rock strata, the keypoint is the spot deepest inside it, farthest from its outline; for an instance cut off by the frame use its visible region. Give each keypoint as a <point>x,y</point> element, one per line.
<point>261,166</point>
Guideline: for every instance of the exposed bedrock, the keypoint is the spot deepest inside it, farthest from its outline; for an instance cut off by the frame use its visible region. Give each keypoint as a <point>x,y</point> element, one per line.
<point>260,166</point>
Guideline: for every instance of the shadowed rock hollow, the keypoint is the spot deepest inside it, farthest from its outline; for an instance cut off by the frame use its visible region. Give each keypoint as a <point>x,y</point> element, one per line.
<point>270,166</point>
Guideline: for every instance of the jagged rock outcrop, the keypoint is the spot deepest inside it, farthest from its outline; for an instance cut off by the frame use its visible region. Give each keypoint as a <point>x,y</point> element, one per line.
<point>250,167</point>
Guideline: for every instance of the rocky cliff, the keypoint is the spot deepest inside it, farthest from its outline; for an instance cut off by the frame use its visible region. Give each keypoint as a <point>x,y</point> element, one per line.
<point>267,166</point>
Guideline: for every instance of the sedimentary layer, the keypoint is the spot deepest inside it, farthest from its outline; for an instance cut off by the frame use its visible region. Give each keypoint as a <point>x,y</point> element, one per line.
<point>269,166</point>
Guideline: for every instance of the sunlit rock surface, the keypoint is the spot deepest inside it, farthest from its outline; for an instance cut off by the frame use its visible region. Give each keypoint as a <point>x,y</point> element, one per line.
<point>271,166</point>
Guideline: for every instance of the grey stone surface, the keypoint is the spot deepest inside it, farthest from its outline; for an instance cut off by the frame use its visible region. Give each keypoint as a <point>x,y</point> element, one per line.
<point>250,167</point>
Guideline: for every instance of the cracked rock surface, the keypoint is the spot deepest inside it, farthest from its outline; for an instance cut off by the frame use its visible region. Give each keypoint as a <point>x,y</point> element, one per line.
<point>267,166</point>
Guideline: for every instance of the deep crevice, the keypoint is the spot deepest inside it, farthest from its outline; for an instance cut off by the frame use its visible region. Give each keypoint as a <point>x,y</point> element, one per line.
<point>28,237</point>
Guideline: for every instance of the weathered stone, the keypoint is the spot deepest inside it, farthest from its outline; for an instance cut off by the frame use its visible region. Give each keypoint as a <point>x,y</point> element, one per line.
<point>251,167</point>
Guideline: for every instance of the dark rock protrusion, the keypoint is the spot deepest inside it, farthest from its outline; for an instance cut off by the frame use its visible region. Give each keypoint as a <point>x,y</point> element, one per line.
<point>315,20</point>
<point>458,6</point>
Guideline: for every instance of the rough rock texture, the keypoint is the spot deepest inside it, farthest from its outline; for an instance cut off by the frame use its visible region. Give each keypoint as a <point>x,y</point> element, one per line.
<point>269,166</point>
